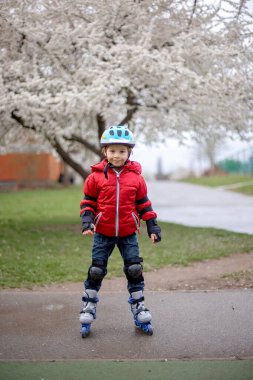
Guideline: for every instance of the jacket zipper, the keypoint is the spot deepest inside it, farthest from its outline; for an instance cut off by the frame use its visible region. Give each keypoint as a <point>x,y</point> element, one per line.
<point>117,202</point>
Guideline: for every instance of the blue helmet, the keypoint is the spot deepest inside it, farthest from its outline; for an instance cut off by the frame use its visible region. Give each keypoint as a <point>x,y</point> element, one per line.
<point>117,134</point>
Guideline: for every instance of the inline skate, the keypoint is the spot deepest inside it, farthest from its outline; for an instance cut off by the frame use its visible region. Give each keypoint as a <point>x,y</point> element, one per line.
<point>88,312</point>
<point>141,314</point>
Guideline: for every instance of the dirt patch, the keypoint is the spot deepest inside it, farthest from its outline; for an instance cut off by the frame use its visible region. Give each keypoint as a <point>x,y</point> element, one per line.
<point>234,272</point>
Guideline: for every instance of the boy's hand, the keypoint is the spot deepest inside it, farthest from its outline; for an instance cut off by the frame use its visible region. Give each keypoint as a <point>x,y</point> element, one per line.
<point>88,227</point>
<point>153,238</point>
<point>90,231</point>
<point>154,231</point>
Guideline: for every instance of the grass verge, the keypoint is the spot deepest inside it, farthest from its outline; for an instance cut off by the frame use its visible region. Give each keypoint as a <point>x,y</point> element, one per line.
<point>244,183</point>
<point>150,370</point>
<point>40,241</point>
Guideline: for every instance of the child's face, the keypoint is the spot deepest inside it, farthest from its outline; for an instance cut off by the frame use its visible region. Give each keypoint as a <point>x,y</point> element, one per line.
<point>117,154</point>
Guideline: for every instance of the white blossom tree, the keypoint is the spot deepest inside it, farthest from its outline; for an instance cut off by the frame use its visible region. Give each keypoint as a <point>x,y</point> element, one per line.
<point>71,68</point>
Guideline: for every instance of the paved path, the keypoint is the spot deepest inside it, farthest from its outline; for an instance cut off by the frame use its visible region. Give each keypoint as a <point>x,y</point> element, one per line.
<point>195,205</point>
<point>45,326</point>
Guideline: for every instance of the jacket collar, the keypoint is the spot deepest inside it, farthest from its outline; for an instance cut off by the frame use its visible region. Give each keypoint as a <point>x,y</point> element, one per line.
<point>129,166</point>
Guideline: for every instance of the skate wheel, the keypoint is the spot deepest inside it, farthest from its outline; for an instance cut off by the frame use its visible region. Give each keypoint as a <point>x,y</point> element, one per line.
<point>84,334</point>
<point>150,330</point>
<point>85,330</point>
<point>147,328</point>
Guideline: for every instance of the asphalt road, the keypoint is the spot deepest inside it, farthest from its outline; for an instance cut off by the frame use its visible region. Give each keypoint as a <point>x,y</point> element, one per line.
<point>187,325</point>
<point>201,206</point>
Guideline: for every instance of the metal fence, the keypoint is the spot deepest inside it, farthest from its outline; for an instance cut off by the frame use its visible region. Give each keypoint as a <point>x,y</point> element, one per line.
<point>240,162</point>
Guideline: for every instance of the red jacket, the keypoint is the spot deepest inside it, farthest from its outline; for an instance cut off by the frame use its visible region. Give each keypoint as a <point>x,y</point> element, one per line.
<point>118,201</point>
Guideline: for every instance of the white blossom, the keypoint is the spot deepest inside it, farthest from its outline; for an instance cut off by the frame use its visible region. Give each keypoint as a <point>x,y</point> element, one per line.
<point>180,66</point>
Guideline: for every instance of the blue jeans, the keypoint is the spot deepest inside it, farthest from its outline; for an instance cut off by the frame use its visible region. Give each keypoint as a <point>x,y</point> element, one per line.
<point>102,249</point>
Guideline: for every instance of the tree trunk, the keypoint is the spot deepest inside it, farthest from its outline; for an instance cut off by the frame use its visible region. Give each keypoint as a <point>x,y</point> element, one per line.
<point>68,159</point>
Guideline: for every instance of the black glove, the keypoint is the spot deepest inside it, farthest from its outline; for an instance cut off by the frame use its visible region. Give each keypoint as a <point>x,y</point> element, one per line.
<point>87,221</point>
<point>153,228</point>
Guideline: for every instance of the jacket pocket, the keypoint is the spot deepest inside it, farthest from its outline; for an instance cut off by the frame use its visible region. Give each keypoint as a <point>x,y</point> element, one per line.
<point>136,220</point>
<point>97,218</point>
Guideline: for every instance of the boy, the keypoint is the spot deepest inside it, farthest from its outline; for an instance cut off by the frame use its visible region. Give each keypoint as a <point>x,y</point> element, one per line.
<point>115,198</point>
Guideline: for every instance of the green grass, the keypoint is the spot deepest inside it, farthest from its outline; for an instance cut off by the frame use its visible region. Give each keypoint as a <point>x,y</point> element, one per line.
<point>125,370</point>
<point>216,181</point>
<point>41,243</point>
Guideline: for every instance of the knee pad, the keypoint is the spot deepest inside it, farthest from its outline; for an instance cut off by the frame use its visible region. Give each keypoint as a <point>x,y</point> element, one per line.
<point>97,270</point>
<point>133,269</point>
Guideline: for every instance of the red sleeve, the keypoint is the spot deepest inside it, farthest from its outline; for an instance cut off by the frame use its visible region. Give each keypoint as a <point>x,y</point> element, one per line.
<point>143,204</point>
<point>89,202</point>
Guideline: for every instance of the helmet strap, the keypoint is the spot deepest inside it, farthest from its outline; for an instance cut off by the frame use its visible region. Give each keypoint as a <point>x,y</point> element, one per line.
<point>106,169</point>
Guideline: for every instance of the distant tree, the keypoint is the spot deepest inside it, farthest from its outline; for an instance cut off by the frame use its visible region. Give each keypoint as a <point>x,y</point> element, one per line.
<point>208,147</point>
<point>165,67</point>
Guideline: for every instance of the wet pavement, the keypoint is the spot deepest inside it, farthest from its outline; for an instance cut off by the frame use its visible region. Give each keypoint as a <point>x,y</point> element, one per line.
<point>187,325</point>
<point>200,206</point>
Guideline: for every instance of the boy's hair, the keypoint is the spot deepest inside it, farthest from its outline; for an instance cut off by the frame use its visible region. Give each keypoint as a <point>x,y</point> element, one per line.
<point>103,150</point>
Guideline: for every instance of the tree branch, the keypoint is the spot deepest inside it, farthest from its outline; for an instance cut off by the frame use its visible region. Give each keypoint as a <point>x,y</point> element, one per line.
<point>101,125</point>
<point>55,144</point>
<point>193,12</point>
<point>21,121</point>
<point>84,142</point>
<point>240,8</point>
<point>129,115</point>
<point>131,101</point>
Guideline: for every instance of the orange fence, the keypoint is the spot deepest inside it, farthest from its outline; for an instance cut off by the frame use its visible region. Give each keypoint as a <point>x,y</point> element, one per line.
<point>29,168</point>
